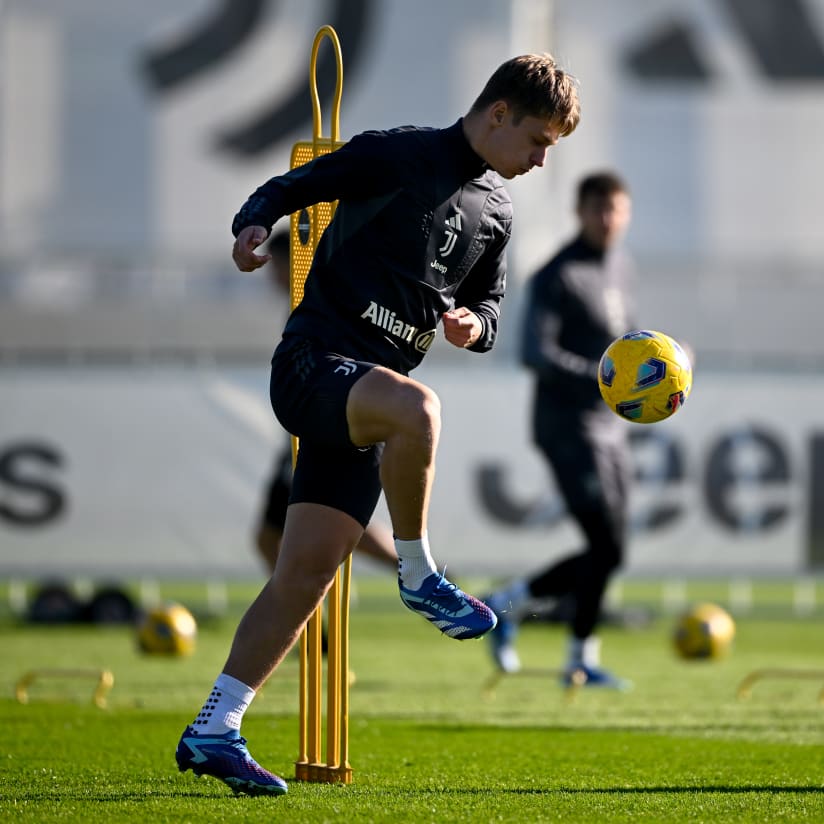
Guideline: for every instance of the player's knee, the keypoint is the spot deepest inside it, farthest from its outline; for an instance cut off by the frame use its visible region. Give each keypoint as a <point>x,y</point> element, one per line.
<point>606,551</point>
<point>421,415</point>
<point>307,583</point>
<point>428,413</point>
<point>612,556</point>
<point>605,539</point>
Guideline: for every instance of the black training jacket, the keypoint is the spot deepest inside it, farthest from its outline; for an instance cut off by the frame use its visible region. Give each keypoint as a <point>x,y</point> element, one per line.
<point>421,227</point>
<point>577,304</point>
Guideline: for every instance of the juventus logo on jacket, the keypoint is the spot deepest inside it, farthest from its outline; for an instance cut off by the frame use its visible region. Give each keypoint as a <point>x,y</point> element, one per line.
<point>453,228</point>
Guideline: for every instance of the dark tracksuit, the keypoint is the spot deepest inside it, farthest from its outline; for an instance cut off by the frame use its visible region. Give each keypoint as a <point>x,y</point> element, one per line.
<point>421,227</point>
<point>577,305</point>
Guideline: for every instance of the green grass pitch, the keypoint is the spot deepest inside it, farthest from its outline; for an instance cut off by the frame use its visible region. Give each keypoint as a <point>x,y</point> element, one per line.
<point>427,744</point>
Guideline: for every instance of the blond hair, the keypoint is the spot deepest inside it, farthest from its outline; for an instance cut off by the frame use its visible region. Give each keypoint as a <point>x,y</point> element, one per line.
<point>534,85</point>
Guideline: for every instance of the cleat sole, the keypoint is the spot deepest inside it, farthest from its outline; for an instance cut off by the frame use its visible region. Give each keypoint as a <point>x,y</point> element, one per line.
<point>239,786</point>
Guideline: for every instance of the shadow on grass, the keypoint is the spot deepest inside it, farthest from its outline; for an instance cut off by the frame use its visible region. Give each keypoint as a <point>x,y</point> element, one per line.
<point>373,790</point>
<point>642,726</point>
<point>721,789</point>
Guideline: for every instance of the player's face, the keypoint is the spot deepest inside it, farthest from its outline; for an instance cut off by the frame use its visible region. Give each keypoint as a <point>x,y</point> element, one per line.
<point>515,148</point>
<point>604,219</point>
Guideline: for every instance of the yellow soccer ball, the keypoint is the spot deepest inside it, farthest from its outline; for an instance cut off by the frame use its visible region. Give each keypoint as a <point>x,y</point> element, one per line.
<point>169,629</point>
<point>704,631</point>
<point>645,376</point>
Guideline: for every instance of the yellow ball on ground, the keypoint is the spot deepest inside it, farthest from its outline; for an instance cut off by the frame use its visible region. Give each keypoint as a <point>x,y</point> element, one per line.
<point>169,629</point>
<point>704,631</point>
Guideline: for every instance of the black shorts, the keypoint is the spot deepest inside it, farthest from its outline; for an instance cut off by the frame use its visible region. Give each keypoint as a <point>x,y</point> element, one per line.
<point>589,455</point>
<point>309,389</point>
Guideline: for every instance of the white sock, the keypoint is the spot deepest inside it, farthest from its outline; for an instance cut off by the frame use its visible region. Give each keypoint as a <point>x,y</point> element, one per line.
<point>585,652</point>
<point>224,708</point>
<point>414,561</point>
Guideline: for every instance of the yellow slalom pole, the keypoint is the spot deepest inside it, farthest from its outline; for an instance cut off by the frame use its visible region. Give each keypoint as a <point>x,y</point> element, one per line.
<point>306,228</point>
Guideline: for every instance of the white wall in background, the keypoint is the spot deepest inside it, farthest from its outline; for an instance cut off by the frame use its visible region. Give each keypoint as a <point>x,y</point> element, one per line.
<point>160,471</point>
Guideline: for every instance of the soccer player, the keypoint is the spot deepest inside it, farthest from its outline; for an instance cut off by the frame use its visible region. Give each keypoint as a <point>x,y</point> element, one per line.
<point>418,238</point>
<point>578,303</point>
<point>376,541</point>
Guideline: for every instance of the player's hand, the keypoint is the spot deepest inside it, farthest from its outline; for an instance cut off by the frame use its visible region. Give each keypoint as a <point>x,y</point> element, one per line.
<point>243,252</point>
<point>461,327</point>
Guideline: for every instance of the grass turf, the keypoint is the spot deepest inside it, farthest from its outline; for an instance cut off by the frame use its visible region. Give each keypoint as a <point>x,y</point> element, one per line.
<point>427,742</point>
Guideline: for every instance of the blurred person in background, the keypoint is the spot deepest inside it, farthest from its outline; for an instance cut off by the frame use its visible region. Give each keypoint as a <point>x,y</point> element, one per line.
<point>418,241</point>
<point>577,304</point>
<point>376,541</point>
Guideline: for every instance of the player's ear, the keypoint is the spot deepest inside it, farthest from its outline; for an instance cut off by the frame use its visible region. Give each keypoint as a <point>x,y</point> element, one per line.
<point>497,112</point>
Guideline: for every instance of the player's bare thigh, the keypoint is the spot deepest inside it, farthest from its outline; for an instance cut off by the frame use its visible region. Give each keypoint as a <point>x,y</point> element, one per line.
<point>383,402</point>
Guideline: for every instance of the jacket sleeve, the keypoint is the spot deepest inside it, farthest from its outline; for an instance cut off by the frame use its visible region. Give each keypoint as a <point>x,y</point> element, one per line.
<point>483,290</point>
<point>541,349</point>
<point>360,168</point>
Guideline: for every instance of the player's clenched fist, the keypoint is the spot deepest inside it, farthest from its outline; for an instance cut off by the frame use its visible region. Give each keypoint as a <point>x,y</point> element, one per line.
<point>461,327</point>
<point>243,252</point>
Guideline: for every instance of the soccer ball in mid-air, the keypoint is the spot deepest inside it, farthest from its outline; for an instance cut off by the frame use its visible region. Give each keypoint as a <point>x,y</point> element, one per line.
<point>169,629</point>
<point>645,376</point>
<point>704,631</point>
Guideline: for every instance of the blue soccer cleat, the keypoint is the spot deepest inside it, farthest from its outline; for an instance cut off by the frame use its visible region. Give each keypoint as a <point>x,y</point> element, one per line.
<point>502,638</point>
<point>452,611</point>
<point>226,757</point>
<point>583,676</point>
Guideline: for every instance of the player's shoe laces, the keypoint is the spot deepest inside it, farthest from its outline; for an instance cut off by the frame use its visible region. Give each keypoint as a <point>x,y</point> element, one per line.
<point>502,638</point>
<point>451,610</point>
<point>583,676</point>
<point>226,757</point>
